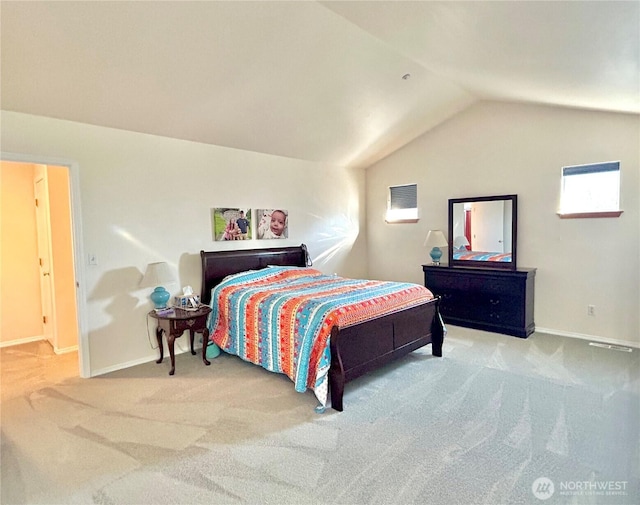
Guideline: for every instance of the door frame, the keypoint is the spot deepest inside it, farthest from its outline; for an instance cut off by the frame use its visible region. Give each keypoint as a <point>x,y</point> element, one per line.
<point>78,250</point>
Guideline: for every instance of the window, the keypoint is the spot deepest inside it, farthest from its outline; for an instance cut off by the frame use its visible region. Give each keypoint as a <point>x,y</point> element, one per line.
<point>591,190</point>
<point>402,204</point>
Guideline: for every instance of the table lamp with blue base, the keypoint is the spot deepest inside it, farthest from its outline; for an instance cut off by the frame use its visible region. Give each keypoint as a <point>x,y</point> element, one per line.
<point>158,273</point>
<point>435,239</point>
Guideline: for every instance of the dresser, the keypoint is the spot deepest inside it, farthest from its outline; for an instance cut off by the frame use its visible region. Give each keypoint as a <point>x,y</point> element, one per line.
<point>492,300</point>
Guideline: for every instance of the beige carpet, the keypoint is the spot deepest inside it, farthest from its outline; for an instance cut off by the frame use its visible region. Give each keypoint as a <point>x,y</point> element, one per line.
<point>480,425</point>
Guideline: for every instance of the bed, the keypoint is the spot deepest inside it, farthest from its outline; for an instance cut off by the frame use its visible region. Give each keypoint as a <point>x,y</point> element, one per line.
<point>350,350</point>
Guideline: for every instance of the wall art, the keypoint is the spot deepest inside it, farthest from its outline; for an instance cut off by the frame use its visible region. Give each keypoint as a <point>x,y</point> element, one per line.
<point>272,223</point>
<point>231,223</point>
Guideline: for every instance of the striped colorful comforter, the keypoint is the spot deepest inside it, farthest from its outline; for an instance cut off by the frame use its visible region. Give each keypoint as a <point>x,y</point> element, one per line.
<point>281,317</point>
<point>481,256</point>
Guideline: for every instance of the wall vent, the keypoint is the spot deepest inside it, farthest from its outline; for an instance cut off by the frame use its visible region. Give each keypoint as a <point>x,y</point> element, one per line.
<point>614,347</point>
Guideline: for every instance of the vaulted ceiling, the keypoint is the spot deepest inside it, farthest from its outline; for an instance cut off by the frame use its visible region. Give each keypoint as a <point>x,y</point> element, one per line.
<point>343,83</point>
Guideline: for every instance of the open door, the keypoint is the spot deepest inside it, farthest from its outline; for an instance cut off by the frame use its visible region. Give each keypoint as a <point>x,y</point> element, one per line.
<point>43,221</point>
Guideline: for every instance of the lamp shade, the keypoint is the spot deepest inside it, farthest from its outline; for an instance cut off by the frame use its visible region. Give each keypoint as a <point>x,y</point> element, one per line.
<point>157,274</point>
<point>435,238</point>
<point>460,241</point>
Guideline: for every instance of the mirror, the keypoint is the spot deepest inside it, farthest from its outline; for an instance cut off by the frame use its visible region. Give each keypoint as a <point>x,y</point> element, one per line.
<point>482,231</point>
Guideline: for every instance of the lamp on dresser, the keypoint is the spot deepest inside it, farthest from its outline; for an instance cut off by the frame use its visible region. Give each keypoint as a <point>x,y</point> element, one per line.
<point>157,274</point>
<point>460,243</point>
<point>435,239</point>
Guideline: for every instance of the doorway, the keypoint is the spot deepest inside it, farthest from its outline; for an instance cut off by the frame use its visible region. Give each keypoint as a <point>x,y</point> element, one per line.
<point>68,294</point>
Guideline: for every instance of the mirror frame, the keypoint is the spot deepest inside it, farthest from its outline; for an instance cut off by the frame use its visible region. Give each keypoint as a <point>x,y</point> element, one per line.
<point>511,265</point>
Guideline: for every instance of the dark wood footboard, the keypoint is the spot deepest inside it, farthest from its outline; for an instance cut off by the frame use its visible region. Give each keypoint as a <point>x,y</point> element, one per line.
<point>368,346</point>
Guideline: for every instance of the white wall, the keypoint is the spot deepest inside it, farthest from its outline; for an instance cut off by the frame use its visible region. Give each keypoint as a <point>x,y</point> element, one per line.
<point>147,198</point>
<point>19,270</point>
<point>500,148</point>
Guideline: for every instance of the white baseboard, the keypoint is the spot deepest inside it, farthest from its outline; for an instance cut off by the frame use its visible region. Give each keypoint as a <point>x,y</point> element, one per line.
<point>141,361</point>
<point>37,338</point>
<point>122,366</point>
<point>592,338</point>
<point>20,341</point>
<point>65,350</point>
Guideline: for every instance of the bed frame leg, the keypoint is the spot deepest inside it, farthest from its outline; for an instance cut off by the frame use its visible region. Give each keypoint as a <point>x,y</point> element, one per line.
<point>336,373</point>
<point>437,332</point>
<point>336,382</point>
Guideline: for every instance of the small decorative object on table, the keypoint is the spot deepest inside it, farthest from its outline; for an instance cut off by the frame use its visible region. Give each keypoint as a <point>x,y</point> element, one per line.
<point>188,300</point>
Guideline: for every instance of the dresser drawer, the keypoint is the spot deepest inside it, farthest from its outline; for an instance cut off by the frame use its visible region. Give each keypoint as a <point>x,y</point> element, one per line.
<point>455,304</point>
<point>502,310</point>
<point>494,285</point>
<point>440,282</point>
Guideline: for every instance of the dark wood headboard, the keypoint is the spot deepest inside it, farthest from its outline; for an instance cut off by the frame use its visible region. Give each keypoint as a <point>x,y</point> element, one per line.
<point>216,265</point>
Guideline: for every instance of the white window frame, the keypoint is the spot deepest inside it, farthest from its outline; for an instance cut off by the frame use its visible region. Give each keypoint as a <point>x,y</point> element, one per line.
<point>402,204</point>
<point>582,187</point>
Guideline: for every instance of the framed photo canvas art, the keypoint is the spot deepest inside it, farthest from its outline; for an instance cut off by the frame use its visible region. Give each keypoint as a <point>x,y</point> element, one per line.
<point>231,223</point>
<point>272,223</point>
